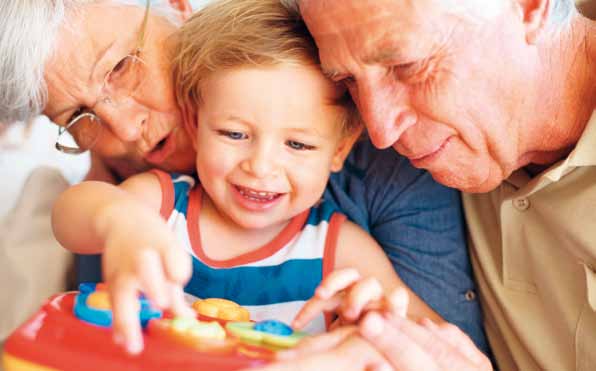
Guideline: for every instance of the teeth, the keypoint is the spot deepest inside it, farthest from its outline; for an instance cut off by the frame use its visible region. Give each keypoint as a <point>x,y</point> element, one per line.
<point>257,195</point>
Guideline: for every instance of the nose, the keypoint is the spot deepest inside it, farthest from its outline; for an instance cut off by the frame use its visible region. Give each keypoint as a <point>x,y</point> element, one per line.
<point>384,106</point>
<point>125,120</point>
<point>261,161</point>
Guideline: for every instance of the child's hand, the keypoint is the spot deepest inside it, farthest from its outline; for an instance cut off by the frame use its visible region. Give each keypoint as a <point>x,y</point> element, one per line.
<point>141,254</point>
<point>349,295</point>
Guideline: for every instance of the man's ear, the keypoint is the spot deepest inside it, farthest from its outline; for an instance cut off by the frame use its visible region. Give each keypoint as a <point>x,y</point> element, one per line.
<point>189,117</point>
<point>184,7</point>
<point>535,17</point>
<point>343,149</point>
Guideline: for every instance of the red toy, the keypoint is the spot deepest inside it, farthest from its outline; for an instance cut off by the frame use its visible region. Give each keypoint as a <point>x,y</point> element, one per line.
<point>55,339</point>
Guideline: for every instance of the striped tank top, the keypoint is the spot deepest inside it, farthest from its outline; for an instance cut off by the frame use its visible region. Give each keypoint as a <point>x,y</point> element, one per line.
<point>273,281</point>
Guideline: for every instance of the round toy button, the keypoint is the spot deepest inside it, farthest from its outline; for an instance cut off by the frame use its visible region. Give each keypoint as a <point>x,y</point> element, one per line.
<point>274,327</point>
<point>99,300</point>
<point>273,333</point>
<point>221,309</point>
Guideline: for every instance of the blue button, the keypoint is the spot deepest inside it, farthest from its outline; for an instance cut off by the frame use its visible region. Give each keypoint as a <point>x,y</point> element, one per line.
<point>274,327</point>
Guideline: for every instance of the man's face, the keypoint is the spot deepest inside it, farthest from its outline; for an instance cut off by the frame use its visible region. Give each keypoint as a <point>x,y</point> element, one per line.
<point>440,81</point>
<point>141,130</point>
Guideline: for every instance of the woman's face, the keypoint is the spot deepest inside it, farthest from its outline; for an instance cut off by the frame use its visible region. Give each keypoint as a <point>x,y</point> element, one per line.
<point>143,129</point>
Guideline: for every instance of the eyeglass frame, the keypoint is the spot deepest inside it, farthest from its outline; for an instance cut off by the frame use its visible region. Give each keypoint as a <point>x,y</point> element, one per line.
<point>135,54</point>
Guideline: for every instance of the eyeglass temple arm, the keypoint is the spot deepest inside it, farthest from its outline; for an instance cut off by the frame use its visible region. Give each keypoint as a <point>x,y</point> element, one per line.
<point>141,40</point>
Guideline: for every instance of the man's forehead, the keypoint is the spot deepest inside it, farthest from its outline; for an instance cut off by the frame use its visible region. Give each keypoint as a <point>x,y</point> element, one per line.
<point>367,24</point>
<point>317,11</point>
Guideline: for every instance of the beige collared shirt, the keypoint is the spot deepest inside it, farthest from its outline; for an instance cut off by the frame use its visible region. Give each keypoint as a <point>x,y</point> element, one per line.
<point>533,248</point>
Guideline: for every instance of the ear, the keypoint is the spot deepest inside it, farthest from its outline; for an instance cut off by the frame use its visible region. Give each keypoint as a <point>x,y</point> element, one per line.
<point>184,7</point>
<point>535,16</point>
<point>189,116</point>
<point>343,149</point>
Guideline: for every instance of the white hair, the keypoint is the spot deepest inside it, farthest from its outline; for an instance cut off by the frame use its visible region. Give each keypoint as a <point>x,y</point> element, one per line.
<point>28,34</point>
<point>561,10</point>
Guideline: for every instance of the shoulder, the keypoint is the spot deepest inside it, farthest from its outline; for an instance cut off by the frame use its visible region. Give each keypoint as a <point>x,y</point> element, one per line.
<point>377,183</point>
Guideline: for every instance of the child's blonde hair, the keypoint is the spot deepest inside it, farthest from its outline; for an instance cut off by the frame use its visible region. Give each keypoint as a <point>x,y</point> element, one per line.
<point>238,33</point>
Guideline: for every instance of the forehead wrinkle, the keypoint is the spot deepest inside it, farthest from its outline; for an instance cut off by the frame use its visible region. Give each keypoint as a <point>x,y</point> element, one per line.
<point>73,72</point>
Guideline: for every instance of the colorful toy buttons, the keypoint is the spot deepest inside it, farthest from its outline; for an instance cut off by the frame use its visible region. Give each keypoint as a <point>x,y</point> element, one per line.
<point>271,332</point>
<point>92,305</point>
<point>221,309</point>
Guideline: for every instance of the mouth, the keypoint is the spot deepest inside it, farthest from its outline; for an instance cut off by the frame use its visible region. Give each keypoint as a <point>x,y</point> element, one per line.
<point>162,150</point>
<point>257,196</point>
<point>421,160</point>
<point>256,200</point>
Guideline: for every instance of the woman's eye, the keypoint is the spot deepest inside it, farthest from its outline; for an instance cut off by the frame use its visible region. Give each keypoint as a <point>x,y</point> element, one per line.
<point>348,81</point>
<point>119,69</point>
<point>299,146</point>
<point>234,135</point>
<point>76,114</point>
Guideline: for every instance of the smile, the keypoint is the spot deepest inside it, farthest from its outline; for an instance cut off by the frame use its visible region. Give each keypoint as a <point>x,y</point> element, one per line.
<point>257,196</point>
<point>422,160</point>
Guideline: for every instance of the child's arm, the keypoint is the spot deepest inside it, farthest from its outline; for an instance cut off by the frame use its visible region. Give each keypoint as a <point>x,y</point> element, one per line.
<point>140,252</point>
<point>362,277</point>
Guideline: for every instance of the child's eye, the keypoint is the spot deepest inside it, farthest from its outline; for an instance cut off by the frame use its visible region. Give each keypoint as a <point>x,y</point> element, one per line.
<point>234,135</point>
<point>299,146</point>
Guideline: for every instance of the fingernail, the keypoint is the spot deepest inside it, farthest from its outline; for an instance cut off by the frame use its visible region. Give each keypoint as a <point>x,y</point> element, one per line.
<point>285,355</point>
<point>322,293</point>
<point>118,339</point>
<point>429,323</point>
<point>135,347</point>
<point>384,367</point>
<point>372,325</point>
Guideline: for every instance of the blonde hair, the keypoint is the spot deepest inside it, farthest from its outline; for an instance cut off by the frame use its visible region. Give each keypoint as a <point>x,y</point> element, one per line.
<point>229,34</point>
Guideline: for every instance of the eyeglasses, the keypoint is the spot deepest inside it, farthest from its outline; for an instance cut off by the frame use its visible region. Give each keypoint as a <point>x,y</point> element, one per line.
<point>84,129</point>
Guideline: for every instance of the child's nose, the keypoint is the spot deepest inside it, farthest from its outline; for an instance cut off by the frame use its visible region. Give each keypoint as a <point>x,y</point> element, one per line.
<point>261,164</point>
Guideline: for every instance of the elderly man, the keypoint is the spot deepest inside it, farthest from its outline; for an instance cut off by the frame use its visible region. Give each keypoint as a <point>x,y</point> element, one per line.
<point>495,98</point>
<point>100,70</point>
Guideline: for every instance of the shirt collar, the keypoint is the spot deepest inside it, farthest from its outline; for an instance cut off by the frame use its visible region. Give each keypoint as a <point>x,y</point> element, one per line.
<point>584,154</point>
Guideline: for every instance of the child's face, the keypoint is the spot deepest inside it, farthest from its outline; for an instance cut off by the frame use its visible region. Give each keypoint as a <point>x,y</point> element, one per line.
<point>267,140</point>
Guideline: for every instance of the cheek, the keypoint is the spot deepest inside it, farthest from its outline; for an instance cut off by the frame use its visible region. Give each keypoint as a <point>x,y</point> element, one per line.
<point>212,163</point>
<point>310,177</point>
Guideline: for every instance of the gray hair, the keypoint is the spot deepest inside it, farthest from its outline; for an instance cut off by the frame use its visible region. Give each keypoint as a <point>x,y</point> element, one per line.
<point>28,33</point>
<point>561,10</point>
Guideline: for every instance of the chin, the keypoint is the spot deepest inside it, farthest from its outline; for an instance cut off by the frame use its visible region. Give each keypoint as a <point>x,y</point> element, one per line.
<point>255,223</point>
<point>467,184</point>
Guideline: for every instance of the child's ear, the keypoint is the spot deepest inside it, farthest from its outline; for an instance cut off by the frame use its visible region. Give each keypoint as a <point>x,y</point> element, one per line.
<point>184,7</point>
<point>343,149</point>
<point>189,117</point>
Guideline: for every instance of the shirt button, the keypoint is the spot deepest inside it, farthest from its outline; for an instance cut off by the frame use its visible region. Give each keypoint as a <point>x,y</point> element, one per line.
<point>470,295</point>
<point>521,204</point>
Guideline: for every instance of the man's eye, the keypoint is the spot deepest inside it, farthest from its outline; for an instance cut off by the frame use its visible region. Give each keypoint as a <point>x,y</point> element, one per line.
<point>404,70</point>
<point>234,135</point>
<point>299,146</point>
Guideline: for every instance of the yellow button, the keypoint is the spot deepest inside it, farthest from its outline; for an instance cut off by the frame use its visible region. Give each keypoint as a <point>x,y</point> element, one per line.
<point>222,309</point>
<point>99,300</point>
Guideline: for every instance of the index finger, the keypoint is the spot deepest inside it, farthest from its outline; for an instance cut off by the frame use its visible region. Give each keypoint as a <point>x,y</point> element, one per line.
<point>125,313</point>
<point>313,307</point>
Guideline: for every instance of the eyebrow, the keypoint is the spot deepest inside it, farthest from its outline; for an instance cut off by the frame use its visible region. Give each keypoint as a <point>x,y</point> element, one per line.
<point>381,56</point>
<point>100,56</point>
<point>377,57</point>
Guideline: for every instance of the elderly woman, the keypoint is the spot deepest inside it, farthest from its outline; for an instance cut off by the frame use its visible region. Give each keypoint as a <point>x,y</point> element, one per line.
<point>100,71</point>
